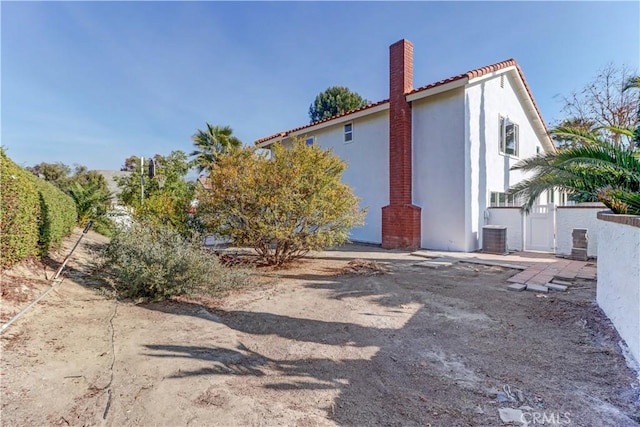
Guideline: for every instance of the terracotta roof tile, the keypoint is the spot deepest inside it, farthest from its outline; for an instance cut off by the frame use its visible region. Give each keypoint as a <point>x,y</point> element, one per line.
<point>346,113</point>
<point>478,72</point>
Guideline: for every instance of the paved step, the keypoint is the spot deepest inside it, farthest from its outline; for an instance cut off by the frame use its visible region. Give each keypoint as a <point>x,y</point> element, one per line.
<point>537,288</point>
<point>556,287</point>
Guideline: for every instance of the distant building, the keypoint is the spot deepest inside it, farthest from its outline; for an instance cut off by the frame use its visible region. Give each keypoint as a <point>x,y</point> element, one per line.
<point>120,214</point>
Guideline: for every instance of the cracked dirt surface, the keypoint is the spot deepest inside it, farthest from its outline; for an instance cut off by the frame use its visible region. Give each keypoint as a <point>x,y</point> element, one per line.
<point>313,346</point>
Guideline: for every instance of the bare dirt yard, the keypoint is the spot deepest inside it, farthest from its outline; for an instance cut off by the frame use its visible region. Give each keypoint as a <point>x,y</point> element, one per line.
<point>389,343</point>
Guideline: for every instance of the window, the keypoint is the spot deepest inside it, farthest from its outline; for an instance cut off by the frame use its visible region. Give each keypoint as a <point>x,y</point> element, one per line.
<point>348,132</point>
<point>499,199</point>
<point>563,198</point>
<point>551,199</point>
<point>310,140</point>
<point>508,137</point>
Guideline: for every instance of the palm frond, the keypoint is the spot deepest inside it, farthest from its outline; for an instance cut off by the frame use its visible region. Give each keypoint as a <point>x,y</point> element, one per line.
<point>618,130</point>
<point>632,83</point>
<point>572,132</point>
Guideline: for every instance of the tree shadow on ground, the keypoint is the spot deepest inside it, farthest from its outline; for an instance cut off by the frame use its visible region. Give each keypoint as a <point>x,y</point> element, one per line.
<point>395,387</point>
<point>293,328</point>
<point>225,361</point>
<point>436,368</point>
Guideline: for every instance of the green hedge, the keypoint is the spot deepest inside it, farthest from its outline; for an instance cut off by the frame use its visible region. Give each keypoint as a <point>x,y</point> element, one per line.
<point>19,213</point>
<point>57,215</point>
<point>35,215</point>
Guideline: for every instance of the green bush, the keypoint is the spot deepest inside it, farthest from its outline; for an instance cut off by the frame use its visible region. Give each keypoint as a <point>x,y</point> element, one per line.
<point>35,215</point>
<point>155,263</point>
<point>283,206</point>
<point>57,215</point>
<point>19,213</point>
<point>106,227</point>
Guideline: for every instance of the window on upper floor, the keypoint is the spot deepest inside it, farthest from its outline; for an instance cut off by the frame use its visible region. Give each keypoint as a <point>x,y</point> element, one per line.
<point>348,132</point>
<point>509,137</point>
<point>500,199</point>
<point>310,140</point>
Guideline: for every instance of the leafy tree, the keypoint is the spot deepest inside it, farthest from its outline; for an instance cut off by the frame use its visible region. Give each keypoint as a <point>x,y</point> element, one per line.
<point>605,105</point>
<point>88,189</point>
<point>333,101</point>
<point>596,170</point>
<point>92,202</point>
<point>56,173</point>
<point>167,196</point>
<point>210,144</point>
<point>283,206</point>
<point>130,164</point>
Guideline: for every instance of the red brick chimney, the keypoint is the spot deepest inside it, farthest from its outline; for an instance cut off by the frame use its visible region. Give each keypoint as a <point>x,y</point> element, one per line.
<point>400,219</point>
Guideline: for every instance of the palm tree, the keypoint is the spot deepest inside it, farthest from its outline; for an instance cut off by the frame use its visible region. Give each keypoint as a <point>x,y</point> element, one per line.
<point>597,170</point>
<point>210,144</point>
<point>634,83</point>
<point>92,202</point>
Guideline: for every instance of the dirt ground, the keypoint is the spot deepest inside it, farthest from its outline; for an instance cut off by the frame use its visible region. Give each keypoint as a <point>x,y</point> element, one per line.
<point>312,346</point>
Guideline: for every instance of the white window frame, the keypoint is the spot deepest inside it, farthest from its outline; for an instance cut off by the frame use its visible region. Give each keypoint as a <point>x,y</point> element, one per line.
<point>503,123</point>
<point>500,199</point>
<point>348,134</point>
<point>551,197</point>
<point>310,140</point>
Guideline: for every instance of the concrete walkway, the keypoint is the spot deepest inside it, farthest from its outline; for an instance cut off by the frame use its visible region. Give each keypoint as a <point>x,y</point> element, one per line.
<point>537,268</point>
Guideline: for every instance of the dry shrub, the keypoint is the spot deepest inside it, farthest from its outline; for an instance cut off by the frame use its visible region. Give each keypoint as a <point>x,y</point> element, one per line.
<point>155,263</point>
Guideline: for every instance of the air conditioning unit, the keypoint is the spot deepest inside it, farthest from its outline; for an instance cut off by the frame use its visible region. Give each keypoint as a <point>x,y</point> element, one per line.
<point>494,239</point>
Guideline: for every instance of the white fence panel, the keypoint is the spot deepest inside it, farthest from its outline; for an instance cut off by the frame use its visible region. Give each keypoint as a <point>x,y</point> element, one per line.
<point>511,218</point>
<point>578,216</point>
<point>540,230</point>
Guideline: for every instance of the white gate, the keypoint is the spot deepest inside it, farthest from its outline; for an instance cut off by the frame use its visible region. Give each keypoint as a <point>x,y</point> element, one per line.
<point>541,228</point>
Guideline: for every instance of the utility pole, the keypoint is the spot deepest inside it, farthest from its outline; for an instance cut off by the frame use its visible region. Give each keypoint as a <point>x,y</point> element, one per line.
<point>141,181</point>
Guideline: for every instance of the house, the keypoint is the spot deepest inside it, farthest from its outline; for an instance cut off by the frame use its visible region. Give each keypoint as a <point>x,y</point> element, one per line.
<point>120,214</point>
<point>429,161</point>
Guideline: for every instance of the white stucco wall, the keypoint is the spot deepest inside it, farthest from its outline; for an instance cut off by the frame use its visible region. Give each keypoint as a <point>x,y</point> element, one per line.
<point>511,218</point>
<point>438,169</point>
<point>367,172</point>
<point>487,169</point>
<point>570,217</point>
<point>618,289</point>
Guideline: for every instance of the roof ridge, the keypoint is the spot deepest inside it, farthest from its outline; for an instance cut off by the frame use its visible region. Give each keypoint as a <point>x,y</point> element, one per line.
<point>472,74</point>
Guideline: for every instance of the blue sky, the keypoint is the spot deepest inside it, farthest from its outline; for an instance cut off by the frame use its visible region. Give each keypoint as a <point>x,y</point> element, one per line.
<point>95,82</point>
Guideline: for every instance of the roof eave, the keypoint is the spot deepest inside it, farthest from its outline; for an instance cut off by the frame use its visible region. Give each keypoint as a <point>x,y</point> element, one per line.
<point>437,89</point>
<point>530,107</point>
<point>324,124</point>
